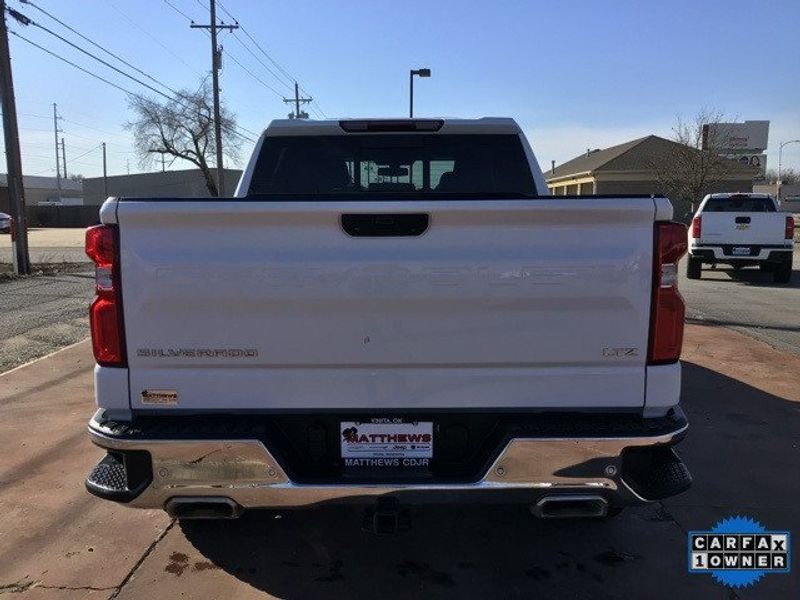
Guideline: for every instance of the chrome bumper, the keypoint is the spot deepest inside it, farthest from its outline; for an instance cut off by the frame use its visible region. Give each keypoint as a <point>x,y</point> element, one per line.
<point>245,471</point>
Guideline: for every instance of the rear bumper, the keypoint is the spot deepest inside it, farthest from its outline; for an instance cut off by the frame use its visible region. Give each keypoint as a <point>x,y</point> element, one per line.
<point>623,465</point>
<point>724,254</point>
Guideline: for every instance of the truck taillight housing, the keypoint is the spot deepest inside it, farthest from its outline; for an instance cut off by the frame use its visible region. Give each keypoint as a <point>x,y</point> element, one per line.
<point>668,308</point>
<point>697,227</point>
<point>789,233</point>
<point>105,313</point>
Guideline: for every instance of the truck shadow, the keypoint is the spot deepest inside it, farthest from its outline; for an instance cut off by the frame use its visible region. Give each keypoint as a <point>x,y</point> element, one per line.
<point>741,453</point>
<point>755,277</point>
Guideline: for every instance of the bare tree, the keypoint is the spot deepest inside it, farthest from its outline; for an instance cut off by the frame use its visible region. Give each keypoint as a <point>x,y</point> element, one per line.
<point>183,128</point>
<point>694,165</point>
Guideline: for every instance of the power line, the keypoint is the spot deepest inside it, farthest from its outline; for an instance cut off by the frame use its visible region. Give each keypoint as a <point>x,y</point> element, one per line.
<point>258,79</point>
<point>148,34</point>
<point>96,45</point>
<point>28,21</point>
<point>92,128</point>
<point>263,64</point>
<point>69,62</point>
<point>77,158</point>
<point>178,10</point>
<point>232,56</point>
<point>290,78</point>
<point>104,80</point>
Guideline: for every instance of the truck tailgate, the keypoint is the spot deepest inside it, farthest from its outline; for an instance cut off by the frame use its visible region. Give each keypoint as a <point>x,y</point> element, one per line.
<point>247,304</point>
<point>743,228</point>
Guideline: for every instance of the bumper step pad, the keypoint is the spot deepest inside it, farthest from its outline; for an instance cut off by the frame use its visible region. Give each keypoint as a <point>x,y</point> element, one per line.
<point>120,476</point>
<point>656,474</point>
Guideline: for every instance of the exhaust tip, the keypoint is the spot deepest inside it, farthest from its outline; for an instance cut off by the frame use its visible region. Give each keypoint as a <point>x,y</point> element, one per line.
<point>570,507</point>
<point>202,507</point>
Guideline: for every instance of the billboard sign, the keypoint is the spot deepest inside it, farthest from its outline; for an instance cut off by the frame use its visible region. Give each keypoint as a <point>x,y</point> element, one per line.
<point>737,137</point>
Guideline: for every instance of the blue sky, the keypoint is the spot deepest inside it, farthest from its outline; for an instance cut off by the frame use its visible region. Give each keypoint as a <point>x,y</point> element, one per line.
<point>575,74</point>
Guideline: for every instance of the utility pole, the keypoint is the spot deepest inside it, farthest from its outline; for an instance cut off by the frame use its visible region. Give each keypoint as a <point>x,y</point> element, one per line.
<point>105,172</point>
<point>163,166</point>
<point>128,165</point>
<point>16,190</point>
<point>216,65</point>
<point>297,101</point>
<point>56,131</point>
<point>64,158</point>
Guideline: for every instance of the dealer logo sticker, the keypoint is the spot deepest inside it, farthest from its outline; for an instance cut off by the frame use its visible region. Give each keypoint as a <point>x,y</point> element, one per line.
<point>739,551</point>
<point>159,397</point>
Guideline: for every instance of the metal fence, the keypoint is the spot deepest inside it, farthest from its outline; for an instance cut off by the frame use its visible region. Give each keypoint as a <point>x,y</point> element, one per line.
<point>63,216</point>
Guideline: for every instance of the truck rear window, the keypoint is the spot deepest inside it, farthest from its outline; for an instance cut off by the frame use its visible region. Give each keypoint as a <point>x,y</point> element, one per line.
<point>739,204</point>
<point>419,166</point>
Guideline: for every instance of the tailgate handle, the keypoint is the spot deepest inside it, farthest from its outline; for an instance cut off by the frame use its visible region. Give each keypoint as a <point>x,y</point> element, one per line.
<point>385,225</point>
<point>742,220</point>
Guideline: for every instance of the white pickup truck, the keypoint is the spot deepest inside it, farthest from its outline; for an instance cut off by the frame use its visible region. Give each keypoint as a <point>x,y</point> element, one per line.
<point>741,230</point>
<point>389,311</point>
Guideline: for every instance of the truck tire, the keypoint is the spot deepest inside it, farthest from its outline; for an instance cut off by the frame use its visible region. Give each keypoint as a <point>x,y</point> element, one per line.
<point>782,272</point>
<point>767,267</point>
<point>693,268</point>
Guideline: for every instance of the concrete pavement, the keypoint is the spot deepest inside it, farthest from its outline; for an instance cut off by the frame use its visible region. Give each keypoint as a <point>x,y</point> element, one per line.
<point>50,245</point>
<point>59,542</point>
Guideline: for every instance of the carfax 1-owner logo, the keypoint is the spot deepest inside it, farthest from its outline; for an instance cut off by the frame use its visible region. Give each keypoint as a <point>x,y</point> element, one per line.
<point>738,551</point>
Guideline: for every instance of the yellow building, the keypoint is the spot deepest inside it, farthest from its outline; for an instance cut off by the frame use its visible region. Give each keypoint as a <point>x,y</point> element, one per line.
<point>629,168</point>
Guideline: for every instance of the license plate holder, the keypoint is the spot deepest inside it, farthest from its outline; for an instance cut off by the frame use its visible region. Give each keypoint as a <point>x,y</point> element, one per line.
<point>385,445</point>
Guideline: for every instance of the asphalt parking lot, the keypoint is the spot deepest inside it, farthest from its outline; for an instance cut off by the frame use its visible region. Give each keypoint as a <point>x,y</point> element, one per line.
<point>748,301</point>
<point>741,396</point>
<point>59,542</point>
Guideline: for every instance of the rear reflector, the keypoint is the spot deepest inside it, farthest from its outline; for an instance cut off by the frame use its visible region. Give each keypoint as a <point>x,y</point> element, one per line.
<point>668,308</point>
<point>697,227</point>
<point>391,125</point>
<point>105,313</point>
<point>789,233</point>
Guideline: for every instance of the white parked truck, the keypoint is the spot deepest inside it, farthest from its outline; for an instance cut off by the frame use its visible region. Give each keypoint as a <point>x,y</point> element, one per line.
<point>741,230</point>
<point>391,311</point>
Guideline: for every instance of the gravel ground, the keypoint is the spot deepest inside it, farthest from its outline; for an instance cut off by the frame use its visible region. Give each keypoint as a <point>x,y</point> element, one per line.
<point>39,315</point>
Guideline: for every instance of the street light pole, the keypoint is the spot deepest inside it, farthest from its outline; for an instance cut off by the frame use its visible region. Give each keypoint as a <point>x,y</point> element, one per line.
<point>420,73</point>
<point>780,164</point>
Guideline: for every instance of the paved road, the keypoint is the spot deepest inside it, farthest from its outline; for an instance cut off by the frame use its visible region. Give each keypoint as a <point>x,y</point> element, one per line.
<point>39,315</point>
<point>59,542</point>
<point>748,301</point>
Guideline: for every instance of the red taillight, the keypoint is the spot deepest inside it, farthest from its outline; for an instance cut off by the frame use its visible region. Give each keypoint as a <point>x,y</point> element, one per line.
<point>789,233</point>
<point>697,227</point>
<point>668,309</point>
<point>105,314</point>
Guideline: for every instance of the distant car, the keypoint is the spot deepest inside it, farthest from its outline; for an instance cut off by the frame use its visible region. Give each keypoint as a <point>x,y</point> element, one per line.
<point>5,223</point>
